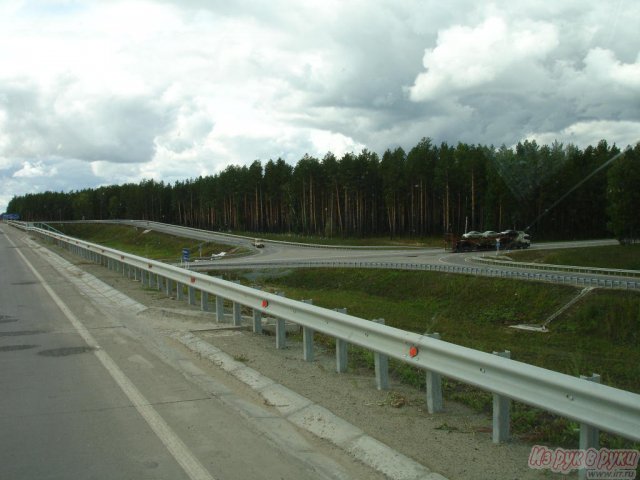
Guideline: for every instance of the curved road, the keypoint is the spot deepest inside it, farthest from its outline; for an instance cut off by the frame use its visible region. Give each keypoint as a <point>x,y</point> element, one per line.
<point>284,254</point>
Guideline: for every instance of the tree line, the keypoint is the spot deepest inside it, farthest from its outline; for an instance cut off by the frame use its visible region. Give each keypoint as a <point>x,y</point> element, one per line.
<point>429,190</point>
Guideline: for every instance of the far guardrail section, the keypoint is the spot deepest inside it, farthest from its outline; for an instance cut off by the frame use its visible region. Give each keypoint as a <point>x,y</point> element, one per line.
<point>610,272</point>
<point>593,405</point>
<point>578,281</point>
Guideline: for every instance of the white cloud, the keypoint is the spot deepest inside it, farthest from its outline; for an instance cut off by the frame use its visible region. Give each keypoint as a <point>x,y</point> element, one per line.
<point>466,58</point>
<point>35,169</point>
<point>98,92</point>
<point>324,141</point>
<point>588,133</point>
<point>602,64</point>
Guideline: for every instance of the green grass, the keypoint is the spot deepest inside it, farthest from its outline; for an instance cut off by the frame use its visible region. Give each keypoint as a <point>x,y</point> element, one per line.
<point>625,257</point>
<point>154,245</point>
<point>599,334</point>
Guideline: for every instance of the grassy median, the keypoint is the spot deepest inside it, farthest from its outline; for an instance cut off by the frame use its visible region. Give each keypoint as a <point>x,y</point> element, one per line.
<point>143,242</point>
<point>625,257</point>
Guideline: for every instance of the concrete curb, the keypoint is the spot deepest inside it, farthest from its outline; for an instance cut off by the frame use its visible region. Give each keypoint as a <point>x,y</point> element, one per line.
<point>314,418</point>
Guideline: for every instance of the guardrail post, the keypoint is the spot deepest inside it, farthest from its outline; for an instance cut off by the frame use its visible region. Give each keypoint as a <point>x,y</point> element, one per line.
<point>138,275</point>
<point>281,334</point>
<point>152,280</point>
<point>307,339</point>
<point>257,321</point>
<point>381,362</point>
<point>237,314</point>
<point>237,310</point>
<point>589,436</point>
<point>434,386</point>
<point>501,411</point>
<point>169,287</point>
<point>341,349</point>
<point>179,291</point>
<point>145,278</point>
<point>219,309</point>
<point>204,301</point>
<point>160,283</point>
<point>341,356</point>
<point>281,330</point>
<point>192,295</point>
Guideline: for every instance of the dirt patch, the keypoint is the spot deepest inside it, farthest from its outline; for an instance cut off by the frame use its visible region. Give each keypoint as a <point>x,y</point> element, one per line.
<point>455,443</point>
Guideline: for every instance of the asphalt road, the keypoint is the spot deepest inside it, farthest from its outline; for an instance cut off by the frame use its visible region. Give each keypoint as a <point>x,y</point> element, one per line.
<point>90,390</point>
<point>276,254</point>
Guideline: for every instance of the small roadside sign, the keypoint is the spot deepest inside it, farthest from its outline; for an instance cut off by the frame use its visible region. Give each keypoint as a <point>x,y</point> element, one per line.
<point>185,254</point>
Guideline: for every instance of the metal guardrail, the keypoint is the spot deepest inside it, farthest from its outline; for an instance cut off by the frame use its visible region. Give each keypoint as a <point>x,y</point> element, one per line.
<point>592,404</point>
<point>578,281</point>
<point>611,272</point>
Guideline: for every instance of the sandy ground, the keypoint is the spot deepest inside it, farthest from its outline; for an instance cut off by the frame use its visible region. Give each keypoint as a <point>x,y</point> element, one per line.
<point>455,443</point>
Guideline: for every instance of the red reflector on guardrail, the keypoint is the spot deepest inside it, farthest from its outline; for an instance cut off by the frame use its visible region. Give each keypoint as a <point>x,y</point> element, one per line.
<point>413,351</point>
<point>193,279</point>
<point>265,303</point>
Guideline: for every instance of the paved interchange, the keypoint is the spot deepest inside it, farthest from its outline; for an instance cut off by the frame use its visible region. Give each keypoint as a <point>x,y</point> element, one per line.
<point>284,254</point>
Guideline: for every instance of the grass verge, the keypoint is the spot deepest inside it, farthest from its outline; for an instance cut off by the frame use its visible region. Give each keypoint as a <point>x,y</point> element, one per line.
<point>599,334</point>
<point>626,257</point>
<point>146,243</point>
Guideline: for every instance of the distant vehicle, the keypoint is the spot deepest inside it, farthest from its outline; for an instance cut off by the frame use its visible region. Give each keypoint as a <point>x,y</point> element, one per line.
<point>258,243</point>
<point>217,256</point>
<point>489,240</point>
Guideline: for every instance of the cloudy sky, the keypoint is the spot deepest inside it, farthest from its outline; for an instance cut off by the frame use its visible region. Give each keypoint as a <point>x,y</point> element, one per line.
<point>103,92</point>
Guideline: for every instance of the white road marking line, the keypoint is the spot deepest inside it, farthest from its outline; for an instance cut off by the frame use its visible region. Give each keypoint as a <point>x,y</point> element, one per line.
<point>189,463</point>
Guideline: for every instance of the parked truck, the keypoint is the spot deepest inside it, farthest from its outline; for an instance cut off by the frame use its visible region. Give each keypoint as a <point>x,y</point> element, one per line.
<point>489,240</point>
